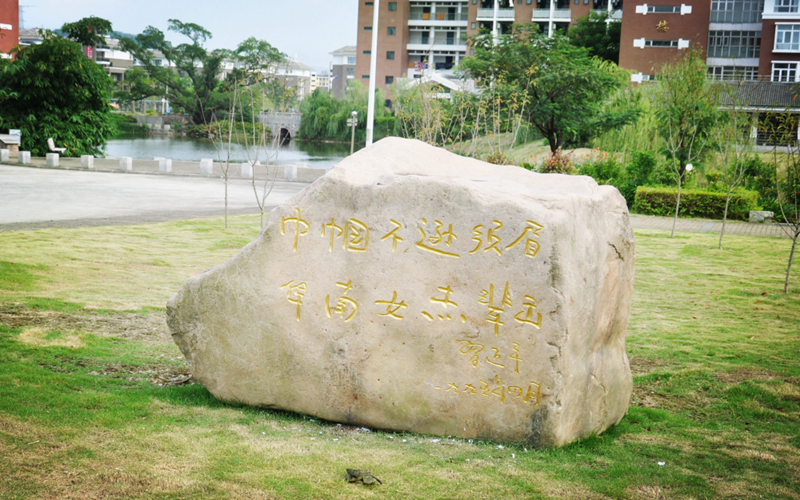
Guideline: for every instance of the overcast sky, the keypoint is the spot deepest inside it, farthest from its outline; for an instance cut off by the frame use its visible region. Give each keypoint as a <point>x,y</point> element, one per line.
<point>307,29</point>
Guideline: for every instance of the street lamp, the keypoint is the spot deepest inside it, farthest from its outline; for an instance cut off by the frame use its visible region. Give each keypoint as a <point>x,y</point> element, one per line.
<point>352,121</point>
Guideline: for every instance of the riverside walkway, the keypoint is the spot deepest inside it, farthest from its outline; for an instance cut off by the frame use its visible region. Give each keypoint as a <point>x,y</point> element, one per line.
<point>708,226</point>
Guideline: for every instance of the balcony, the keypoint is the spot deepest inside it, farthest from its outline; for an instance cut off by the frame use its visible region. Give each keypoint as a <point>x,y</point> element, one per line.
<point>439,16</point>
<point>616,15</point>
<point>502,14</point>
<point>544,14</point>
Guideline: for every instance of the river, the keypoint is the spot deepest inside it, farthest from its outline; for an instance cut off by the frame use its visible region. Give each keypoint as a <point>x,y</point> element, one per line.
<point>314,155</point>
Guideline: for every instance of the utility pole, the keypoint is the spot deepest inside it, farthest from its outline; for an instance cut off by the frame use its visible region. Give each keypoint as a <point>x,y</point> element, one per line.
<point>373,61</point>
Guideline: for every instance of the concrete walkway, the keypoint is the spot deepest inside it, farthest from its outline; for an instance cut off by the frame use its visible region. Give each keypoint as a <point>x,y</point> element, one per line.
<point>708,226</point>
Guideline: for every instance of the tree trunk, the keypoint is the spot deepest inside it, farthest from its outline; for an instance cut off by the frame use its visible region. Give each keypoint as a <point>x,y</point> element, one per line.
<point>791,258</point>
<point>724,217</point>
<point>677,208</point>
<point>226,197</point>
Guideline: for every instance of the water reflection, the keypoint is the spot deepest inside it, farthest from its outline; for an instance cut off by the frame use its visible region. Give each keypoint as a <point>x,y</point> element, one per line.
<point>315,155</point>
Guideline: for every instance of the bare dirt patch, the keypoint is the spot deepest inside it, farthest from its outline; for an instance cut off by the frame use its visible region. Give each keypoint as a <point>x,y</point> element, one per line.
<point>39,336</point>
<point>151,327</point>
<point>643,366</point>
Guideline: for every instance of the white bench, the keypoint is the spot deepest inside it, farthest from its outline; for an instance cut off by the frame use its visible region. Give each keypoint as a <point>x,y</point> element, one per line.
<point>52,145</point>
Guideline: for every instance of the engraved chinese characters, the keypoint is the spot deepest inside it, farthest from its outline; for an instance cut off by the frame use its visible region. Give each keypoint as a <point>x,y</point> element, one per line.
<point>412,289</point>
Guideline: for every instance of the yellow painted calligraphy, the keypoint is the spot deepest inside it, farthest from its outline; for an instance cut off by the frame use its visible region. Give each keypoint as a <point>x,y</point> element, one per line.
<point>393,234</point>
<point>487,299</point>
<point>392,306</point>
<point>295,294</point>
<point>500,391</point>
<point>346,307</point>
<point>515,356</point>
<point>470,347</point>
<point>356,236</point>
<point>333,228</point>
<point>531,246</point>
<point>492,240</point>
<point>496,356</point>
<point>452,386</point>
<point>477,236</point>
<point>298,222</point>
<point>485,389</point>
<point>531,396</point>
<point>446,300</point>
<point>469,389</point>
<point>529,304</point>
<point>427,316</point>
<point>427,243</point>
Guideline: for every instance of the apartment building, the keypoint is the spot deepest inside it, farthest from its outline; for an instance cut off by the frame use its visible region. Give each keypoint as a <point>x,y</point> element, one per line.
<point>9,26</point>
<point>416,36</point>
<point>342,69</point>
<point>745,39</point>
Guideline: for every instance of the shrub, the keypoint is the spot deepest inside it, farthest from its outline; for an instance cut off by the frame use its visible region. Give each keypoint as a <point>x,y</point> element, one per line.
<point>605,170</point>
<point>557,163</point>
<point>637,173</point>
<point>694,202</point>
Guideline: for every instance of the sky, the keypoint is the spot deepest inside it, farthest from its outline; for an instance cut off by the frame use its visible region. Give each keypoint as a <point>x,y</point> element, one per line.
<point>306,29</point>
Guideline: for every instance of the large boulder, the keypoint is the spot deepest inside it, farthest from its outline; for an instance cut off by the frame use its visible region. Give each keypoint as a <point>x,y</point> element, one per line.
<point>414,289</point>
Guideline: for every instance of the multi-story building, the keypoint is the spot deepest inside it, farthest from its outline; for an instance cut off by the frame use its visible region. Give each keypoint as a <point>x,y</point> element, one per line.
<point>419,35</point>
<point>745,39</point>
<point>9,26</point>
<point>343,69</point>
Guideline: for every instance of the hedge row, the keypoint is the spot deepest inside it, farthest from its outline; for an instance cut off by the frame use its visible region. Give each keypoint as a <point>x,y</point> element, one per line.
<point>694,203</point>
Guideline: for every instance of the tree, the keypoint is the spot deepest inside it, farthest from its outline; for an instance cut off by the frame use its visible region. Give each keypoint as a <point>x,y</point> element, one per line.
<point>88,32</point>
<point>197,91</point>
<point>53,91</point>
<point>731,138</point>
<point>555,87</point>
<point>686,110</point>
<point>599,34</point>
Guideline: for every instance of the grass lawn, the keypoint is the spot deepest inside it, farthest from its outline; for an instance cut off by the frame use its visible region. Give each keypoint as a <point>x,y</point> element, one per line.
<point>95,401</point>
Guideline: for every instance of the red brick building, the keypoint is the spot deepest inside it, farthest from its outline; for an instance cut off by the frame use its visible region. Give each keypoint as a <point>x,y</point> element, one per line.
<point>9,26</point>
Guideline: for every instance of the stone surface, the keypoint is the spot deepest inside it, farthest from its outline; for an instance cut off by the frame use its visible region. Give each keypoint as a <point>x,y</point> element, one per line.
<point>164,166</point>
<point>24,157</point>
<point>290,172</point>
<point>126,164</point>
<point>247,170</point>
<point>761,216</point>
<point>52,159</point>
<point>413,289</point>
<point>87,161</point>
<point>5,154</point>
<point>206,166</point>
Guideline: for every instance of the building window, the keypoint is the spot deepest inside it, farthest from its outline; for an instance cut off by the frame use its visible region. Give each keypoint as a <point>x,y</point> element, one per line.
<point>736,11</point>
<point>390,55</point>
<point>367,28</point>
<point>368,52</point>
<point>664,9</point>
<point>368,4</point>
<point>784,72</point>
<point>351,72</point>
<point>365,77</point>
<point>787,37</point>
<point>472,26</point>
<point>389,80</point>
<point>744,73</point>
<point>660,43</point>
<point>734,43</point>
<point>351,60</point>
<point>392,6</point>
<point>391,31</point>
<point>785,6</point>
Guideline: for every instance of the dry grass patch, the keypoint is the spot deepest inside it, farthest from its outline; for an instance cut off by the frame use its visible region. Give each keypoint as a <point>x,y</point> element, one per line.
<point>50,338</point>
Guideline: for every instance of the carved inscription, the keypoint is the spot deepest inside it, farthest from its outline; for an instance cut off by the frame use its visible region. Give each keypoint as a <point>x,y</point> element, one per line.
<point>501,304</point>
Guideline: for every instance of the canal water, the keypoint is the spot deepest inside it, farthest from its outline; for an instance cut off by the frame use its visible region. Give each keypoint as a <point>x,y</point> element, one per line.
<point>314,155</point>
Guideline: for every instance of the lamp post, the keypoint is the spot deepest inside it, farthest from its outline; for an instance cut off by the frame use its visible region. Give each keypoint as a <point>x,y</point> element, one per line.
<point>352,121</point>
<point>373,61</point>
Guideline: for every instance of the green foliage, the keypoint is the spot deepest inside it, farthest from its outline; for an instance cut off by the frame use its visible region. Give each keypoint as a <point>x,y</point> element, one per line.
<point>639,135</point>
<point>638,172</point>
<point>605,170</point>
<point>89,31</point>
<point>197,93</point>
<point>126,124</point>
<point>325,117</point>
<point>686,106</point>
<point>595,33</point>
<point>556,87</point>
<point>54,91</point>
<point>558,163</point>
<point>694,203</point>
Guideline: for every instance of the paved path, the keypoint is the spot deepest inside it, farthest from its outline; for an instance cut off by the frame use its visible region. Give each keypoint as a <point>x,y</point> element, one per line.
<point>707,226</point>
<point>35,198</point>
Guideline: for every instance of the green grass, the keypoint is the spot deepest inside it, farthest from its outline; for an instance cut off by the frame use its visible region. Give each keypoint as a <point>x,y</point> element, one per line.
<point>714,347</point>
